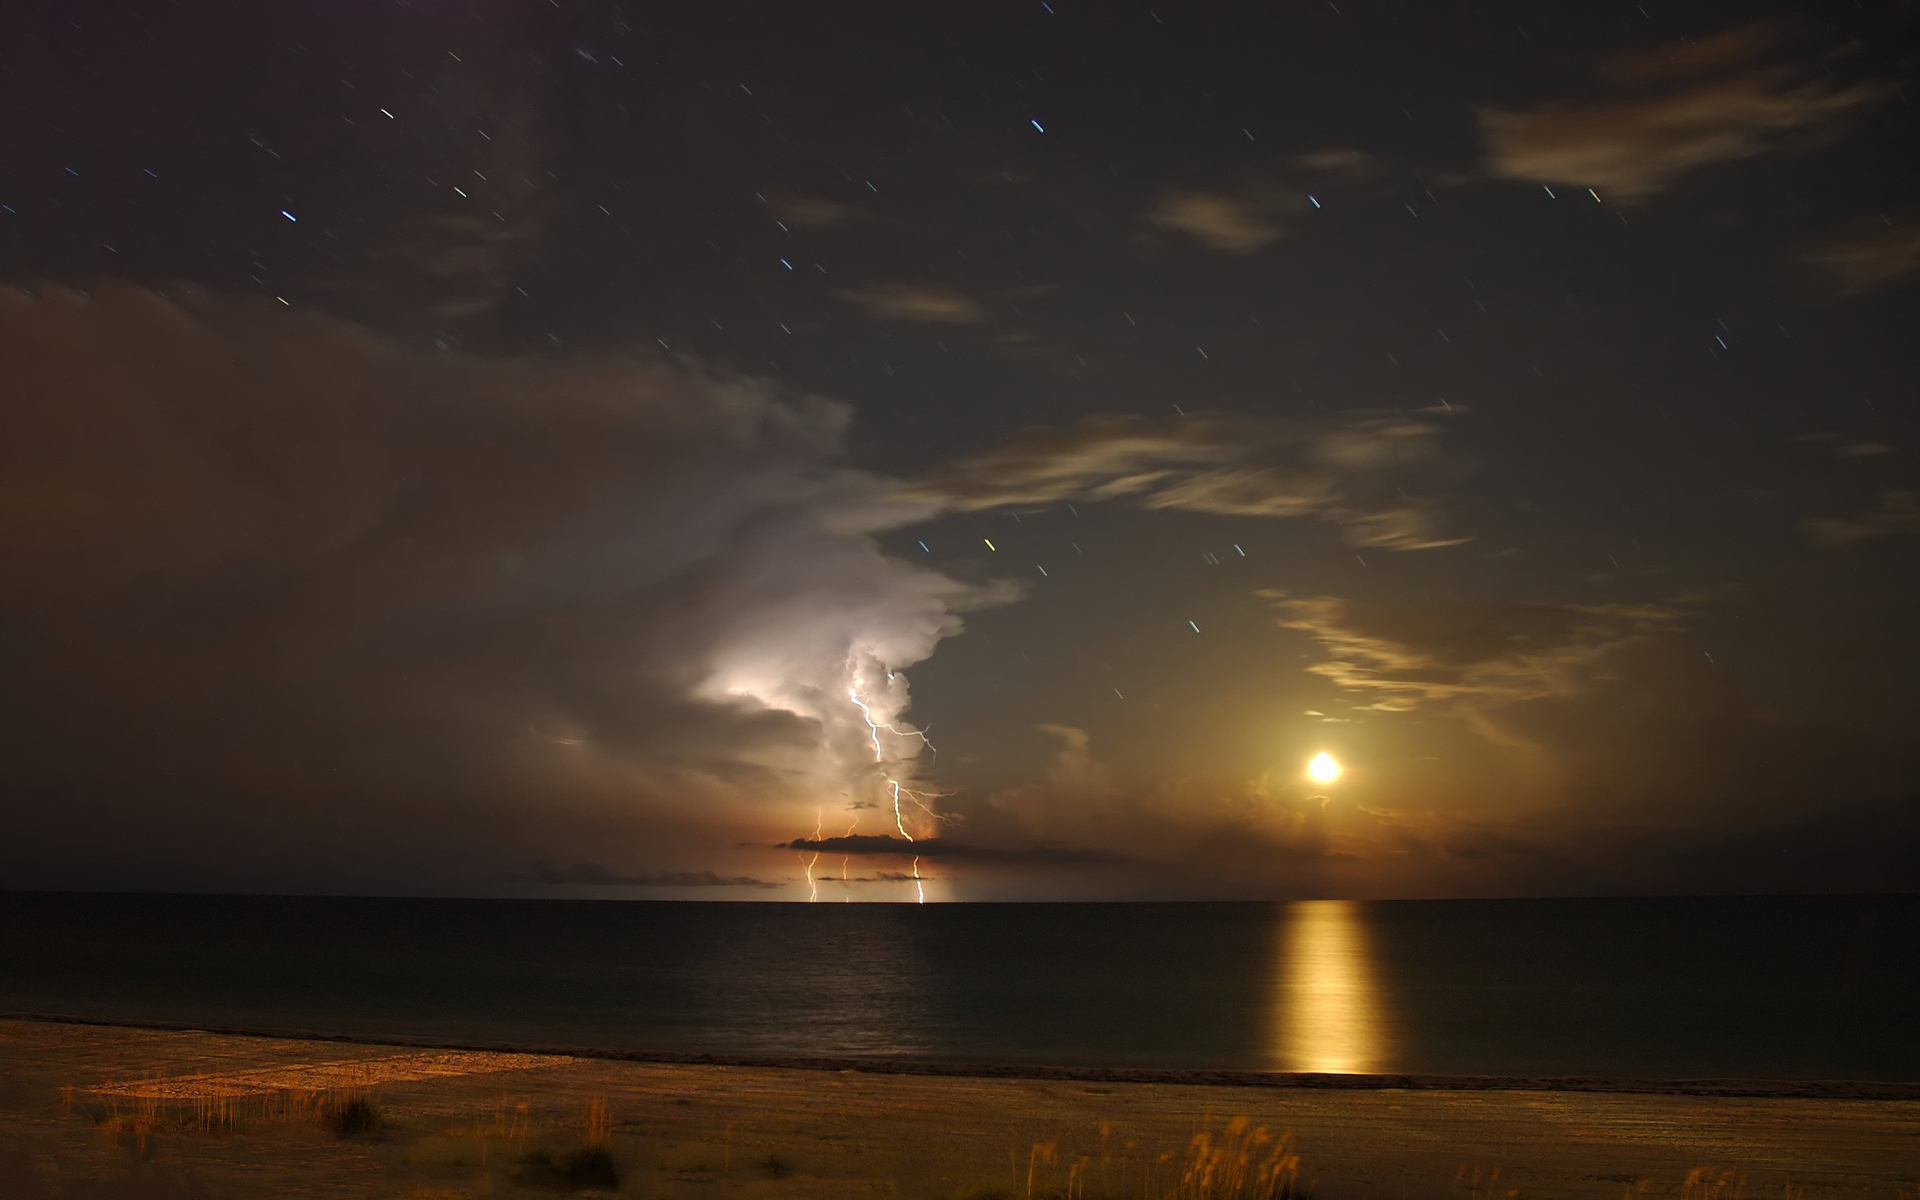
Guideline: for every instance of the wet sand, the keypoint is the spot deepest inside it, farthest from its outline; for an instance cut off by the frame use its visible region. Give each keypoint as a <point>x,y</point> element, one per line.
<point>103,1112</point>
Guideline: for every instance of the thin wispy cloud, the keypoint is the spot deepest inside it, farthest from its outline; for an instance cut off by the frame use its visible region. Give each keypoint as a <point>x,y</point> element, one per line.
<point>1217,219</point>
<point>1224,466</point>
<point>1878,254</point>
<point>1665,113</point>
<point>1896,513</point>
<point>912,302</point>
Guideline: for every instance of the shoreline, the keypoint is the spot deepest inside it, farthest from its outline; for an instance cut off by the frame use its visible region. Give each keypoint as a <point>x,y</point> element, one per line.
<point>1805,1089</point>
<point>124,1111</point>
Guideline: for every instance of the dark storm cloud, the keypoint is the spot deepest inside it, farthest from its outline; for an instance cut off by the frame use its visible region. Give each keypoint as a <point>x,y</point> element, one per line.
<point>945,849</point>
<point>1338,471</point>
<point>273,583</point>
<point>594,875</point>
<point>1667,112</point>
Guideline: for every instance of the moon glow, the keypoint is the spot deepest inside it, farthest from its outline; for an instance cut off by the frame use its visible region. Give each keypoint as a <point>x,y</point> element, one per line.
<point>1324,768</point>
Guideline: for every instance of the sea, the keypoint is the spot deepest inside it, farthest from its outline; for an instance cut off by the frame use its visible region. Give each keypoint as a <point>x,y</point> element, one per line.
<point>1757,988</point>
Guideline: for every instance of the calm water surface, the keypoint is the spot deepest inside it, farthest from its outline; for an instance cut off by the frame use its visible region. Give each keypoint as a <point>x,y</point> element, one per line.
<point>1673,988</point>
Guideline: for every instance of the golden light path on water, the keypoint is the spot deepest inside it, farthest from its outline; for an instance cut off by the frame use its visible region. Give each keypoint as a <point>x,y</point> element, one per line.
<point>1328,1014</point>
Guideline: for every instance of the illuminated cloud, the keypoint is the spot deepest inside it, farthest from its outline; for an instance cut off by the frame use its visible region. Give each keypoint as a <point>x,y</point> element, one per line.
<point>1213,464</point>
<point>813,212</point>
<point>906,302</point>
<point>1395,659</point>
<point>1897,513</point>
<point>1407,526</point>
<point>1847,447</point>
<point>1668,112</point>
<point>1876,256</point>
<point>304,599</point>
<point>1222,221</point>
<point>1266,204</point>
<point>861,845</point>
<point>1339,162</point>
<point>1197,836</point>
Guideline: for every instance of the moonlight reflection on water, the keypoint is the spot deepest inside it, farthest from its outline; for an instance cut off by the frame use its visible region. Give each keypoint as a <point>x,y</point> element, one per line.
<point>1328,1014</point>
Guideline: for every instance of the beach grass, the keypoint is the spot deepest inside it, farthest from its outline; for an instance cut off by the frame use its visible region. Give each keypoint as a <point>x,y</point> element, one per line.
<point>140,1104</point>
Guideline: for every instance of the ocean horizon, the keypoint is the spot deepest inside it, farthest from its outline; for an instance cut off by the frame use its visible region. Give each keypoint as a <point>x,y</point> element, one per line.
<point>1786,988</point>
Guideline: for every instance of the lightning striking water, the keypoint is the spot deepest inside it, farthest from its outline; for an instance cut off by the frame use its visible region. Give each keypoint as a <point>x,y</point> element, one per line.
<point>898,790</point>
<point>813,885</point>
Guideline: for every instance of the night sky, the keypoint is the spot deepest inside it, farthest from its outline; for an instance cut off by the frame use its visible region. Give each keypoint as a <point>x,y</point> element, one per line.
<point>885,451</point>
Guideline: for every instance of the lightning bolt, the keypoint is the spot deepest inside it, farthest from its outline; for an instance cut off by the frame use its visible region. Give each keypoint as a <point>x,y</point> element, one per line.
<point>879,756</point>
<point>813,885</point>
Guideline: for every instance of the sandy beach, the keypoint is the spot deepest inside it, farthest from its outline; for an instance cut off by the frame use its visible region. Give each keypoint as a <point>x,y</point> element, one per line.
<point>98,1111</point>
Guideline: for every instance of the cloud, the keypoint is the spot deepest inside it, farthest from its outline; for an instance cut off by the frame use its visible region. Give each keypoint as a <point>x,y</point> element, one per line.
<point>1847,448</point>
<point>1680,61</point>
<point>1874,257</point>
<point>813,212</point>
<point>1897,513</point>
<point>1575,724</point>
<point>1669,112</point>
<point>889,846</point>
<point>1226,466</point>
<point>288,602</point>
<point>444,257</point>
<point>1246,218</point>
<point>594,875</point>
<point>907,302</point>
<point>1340,162</point>
<point>1222,221</point>
<point>1398,659</point>
<point>1196,836</point>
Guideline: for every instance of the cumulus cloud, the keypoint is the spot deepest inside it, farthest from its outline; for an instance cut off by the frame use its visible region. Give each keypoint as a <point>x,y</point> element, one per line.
<point>907,302</point>
<point>1667,112</point>
<point>1877,256</point>
<point>1337,471</point>
<point>286,600</point>
<point>1898,512</point>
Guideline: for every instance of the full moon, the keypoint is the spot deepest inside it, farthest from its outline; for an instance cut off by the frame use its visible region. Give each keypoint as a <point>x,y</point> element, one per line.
<point>1324,768</point>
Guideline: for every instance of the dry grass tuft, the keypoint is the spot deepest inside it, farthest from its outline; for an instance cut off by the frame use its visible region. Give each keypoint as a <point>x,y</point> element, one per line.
<point>591,1165</point>
<point>353,1114</point>
<point>1245,1162</point>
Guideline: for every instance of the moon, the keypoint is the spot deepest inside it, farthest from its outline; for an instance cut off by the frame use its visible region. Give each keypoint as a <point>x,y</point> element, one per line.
<point>1324,768</point>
